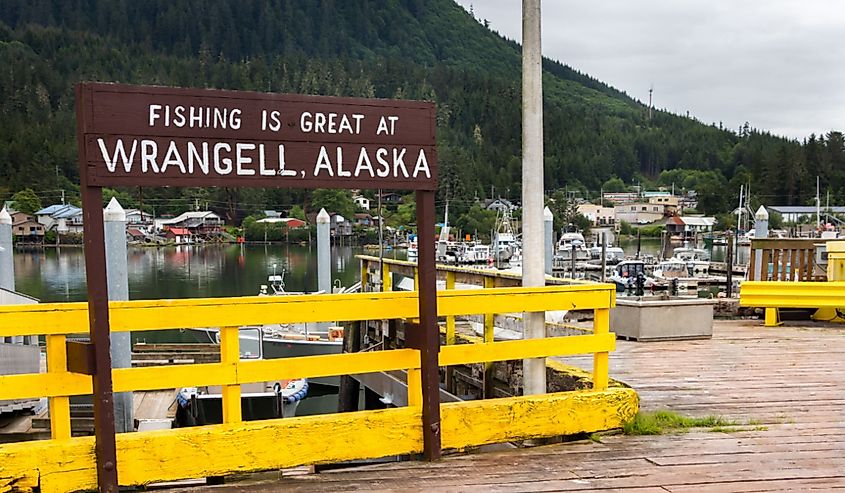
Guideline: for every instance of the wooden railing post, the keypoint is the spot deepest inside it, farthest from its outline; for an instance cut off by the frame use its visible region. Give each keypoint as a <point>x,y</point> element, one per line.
<point>230,354</point>
<point>414,387</point>
<point>59,406</point>
<point>365,274</point>
<point>450,333</point>
<point>601,325</point>
<point>386,278</point>
<point>489,326</point>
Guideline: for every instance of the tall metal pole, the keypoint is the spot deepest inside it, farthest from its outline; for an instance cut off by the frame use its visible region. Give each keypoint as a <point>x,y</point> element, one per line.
<point>7,262</point>
<point>533,259</point>
<point>548,220</point>
<point>114,218</point>
<point>603,257</point>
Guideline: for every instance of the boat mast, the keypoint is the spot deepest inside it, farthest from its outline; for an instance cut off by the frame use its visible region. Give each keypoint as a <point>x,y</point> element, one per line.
<point>818,206</point>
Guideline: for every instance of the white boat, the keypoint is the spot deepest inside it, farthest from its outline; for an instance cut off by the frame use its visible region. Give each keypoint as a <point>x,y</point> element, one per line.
<point>475,253</point>
<point>507,249</point>
<point>413,248</point>
<point>625,275</point>
<point>572,244</point>
<point>697,260</point>
<point>285,340</point>
<point>260,400</point>
<point>612,254</point>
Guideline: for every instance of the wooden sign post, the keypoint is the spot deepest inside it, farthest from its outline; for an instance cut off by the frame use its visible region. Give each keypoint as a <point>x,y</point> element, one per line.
<point>158,136</point>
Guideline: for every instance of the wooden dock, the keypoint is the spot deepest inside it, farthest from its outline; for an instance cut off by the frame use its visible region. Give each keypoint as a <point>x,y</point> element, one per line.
<point>785,385</point>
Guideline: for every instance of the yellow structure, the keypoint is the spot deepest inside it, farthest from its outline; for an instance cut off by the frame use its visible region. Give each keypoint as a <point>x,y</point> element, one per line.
<point>67,464</point>
<point>835,272</point>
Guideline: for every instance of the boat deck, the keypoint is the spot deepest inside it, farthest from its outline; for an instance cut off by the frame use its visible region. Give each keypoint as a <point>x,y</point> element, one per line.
<point>785,386</point>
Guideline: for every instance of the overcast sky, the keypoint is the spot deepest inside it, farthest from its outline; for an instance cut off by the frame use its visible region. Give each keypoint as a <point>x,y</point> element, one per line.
<point>778,64</point>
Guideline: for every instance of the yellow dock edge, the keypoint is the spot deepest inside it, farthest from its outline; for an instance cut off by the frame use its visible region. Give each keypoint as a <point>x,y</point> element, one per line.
<point>155,456</point>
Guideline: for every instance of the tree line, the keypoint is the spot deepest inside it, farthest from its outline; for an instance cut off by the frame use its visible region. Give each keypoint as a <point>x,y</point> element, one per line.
<point>416,49</point>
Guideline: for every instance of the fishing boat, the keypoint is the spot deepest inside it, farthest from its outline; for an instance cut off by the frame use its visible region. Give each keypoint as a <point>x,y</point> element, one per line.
<point>626,273</point>
<point>697,260</point>
<point>507,249</point>
<point>572,244</point>
<point>260,400</point>
<point>413,248</point>
<point>286,340</point>
<point>612,255</point>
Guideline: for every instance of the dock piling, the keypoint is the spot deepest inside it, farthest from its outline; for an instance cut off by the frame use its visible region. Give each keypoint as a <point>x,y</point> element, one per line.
<point>7,264</point>
<point>114,223</point>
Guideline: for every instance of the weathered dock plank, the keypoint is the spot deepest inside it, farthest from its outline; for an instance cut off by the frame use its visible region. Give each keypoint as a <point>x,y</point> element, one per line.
<point>785,385</point>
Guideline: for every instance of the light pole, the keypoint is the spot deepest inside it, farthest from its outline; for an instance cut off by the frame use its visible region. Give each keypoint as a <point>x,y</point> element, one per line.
<point>533,229</point>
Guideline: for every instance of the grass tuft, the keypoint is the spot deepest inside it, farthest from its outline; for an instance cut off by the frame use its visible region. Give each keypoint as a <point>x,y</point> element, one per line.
<point>660,422</point>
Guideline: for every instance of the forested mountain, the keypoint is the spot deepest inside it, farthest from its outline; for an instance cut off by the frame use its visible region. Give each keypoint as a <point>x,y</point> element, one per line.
<point>420,49</point>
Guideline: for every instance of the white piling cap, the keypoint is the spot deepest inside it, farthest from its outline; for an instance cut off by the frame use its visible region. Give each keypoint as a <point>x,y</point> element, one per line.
<point>5,218</point>
<point>323,217</point>
<point>547,214</point>
<point>114,211</point>
<point>762,214</point>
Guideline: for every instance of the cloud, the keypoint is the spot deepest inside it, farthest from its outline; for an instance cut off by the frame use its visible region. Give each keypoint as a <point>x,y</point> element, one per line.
<point>776,64</point>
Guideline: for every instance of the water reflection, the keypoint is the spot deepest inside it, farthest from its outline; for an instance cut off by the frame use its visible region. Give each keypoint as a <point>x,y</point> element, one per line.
<point>185,271</point>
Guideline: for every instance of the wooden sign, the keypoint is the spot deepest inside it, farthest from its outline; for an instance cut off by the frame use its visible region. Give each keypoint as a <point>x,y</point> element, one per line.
<point>159,136</point>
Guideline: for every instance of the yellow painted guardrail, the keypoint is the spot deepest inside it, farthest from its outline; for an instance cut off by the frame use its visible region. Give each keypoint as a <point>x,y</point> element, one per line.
<point>773,295</point>
<point>66,463</point>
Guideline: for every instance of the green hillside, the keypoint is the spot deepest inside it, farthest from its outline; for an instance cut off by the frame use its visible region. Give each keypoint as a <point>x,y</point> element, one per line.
<point>422,49</point>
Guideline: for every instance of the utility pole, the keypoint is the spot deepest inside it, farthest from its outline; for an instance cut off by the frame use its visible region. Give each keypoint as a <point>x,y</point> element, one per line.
<point>534,370</point>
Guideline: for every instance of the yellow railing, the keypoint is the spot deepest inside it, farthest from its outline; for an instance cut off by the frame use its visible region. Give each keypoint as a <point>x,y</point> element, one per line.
<point>66,463</point>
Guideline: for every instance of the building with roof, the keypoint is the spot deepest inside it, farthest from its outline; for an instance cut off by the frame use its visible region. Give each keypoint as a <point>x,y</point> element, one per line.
<point>794,213</point>
<point>364,219</point>
<point>197,222</point>
<point>178,235</point>
<point>619,198</point>
<point>64,218</point>
<point>289,222</point>
<point>138,218</point>
<point>598,215</point>
<point>362,202</point>
<point>26,229</point>
<point>499,205</point>
<point>668,202</point>
<point>638,213</point>
<point>689,226</point>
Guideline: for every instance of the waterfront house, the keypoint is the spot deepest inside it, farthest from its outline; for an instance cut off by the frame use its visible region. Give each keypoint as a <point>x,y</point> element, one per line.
<point>620,198</point>
<point>362,202</point>
<point>178,235</point>
<point>689,226</point>
<point>364,219</point>
<point>289,222</point>
<point>63,218</point>
<point>197,222</point>
<point>668,202</point>
<point>340,226</point>
<point>135,234</point>
<point>26,229</point>
<point>499,205</point>
<point>391,198</point>
<point>795,213</point>
<point>138,219</point>
<point>639,213</point>
<point>598,215</point>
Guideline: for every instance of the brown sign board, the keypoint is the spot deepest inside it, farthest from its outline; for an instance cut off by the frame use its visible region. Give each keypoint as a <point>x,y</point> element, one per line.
<point>161,136</point>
